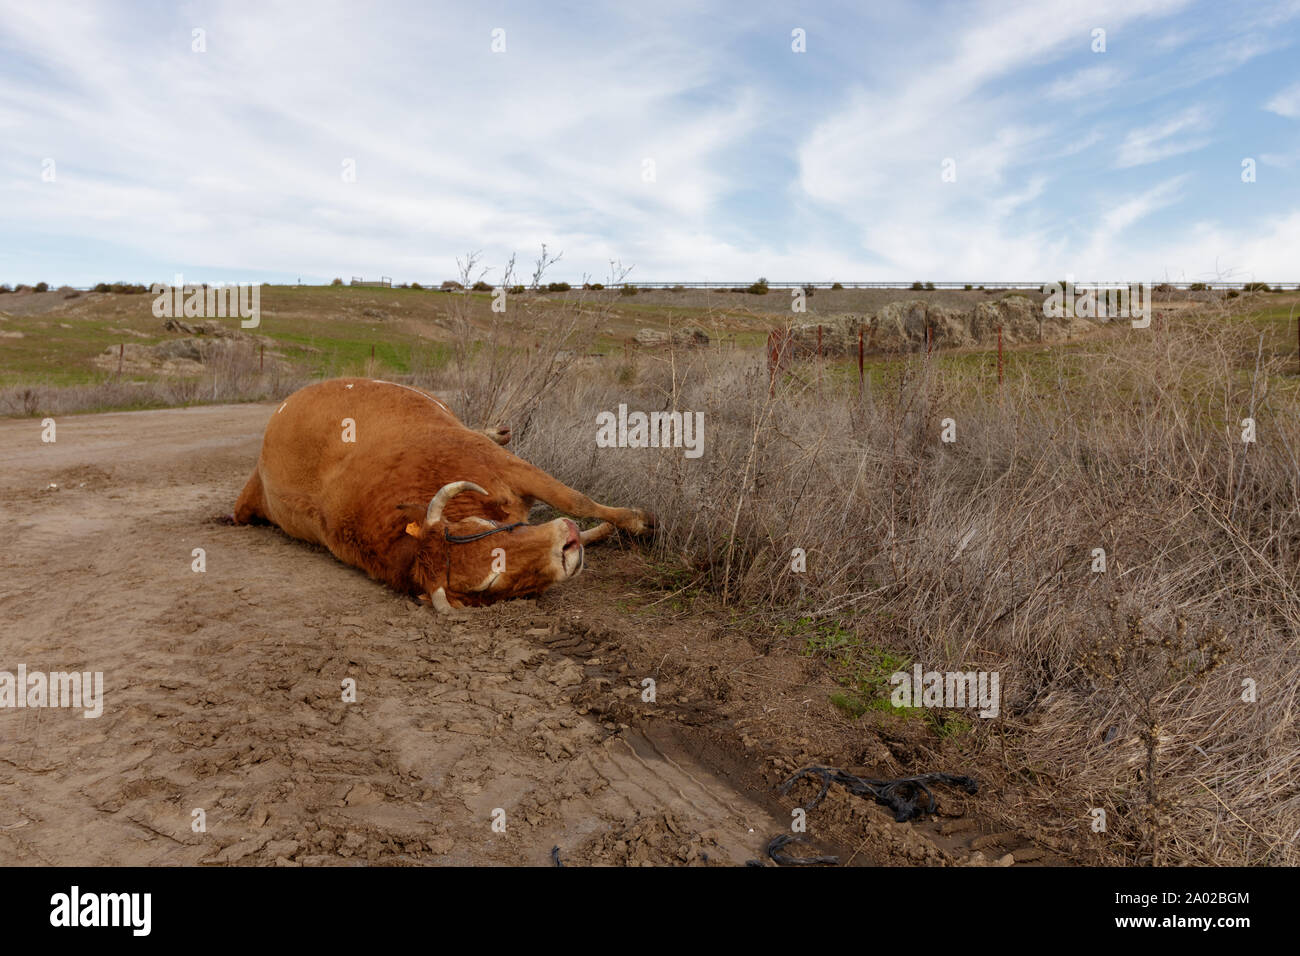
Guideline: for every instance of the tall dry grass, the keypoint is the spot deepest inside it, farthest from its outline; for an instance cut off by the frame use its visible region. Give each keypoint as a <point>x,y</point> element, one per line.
<point>508,355</point>
<point>1123,690</point>
<point>236,373</point>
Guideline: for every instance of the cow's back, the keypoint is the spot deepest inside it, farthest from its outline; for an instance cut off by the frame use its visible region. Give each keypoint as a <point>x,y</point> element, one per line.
<point>330,448</point>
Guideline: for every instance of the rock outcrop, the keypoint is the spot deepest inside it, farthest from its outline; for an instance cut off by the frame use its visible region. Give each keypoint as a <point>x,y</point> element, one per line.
<point>686,337</point>
<point>901,327</point>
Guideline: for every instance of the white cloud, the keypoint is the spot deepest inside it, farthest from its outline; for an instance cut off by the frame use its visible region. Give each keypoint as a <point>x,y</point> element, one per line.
<point>1086,82</point>
<point>234,155</point>
<point>1282,160</point>
<point>1130,211</point>
<point>1150,144</point>
<point>766,163</point>
<point>1263,251</point>
<point>1286,102</point>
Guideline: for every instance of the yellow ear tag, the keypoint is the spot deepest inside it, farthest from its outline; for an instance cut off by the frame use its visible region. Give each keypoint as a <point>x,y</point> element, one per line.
<point>413,530</point>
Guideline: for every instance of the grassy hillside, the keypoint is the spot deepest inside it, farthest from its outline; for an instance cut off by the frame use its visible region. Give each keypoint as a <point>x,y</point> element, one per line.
<point>58,353</point>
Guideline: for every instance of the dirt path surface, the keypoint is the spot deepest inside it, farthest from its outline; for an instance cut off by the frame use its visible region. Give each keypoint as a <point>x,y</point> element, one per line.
<point>223,688</point>
<point>223,692</point>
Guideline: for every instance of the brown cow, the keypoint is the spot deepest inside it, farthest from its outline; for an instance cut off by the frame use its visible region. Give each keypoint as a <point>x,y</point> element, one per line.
<point>415,498</point>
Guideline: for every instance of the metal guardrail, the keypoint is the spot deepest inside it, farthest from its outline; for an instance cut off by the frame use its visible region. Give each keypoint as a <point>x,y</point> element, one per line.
<point>386,282</point>
<point>974,286</point>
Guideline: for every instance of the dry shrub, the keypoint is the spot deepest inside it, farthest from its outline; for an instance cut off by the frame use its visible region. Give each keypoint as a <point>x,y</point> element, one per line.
<point>978,555</point>
<point>504,363</point>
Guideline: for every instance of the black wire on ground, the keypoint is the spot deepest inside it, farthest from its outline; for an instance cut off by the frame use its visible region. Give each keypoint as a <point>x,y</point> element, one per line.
<point>903,795</point>
<point>781,840</point>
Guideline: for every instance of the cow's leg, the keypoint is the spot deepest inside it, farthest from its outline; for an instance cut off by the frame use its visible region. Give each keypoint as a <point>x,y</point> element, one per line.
<point>598,533</point>
<point>251,505</point>
<point>535,484</point>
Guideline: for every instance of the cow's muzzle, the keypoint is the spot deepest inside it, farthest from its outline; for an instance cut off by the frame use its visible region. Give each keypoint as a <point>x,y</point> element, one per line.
<point>571,550</point>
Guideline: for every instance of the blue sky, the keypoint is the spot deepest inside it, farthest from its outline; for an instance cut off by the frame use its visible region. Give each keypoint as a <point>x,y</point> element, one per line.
<point>226,165</point>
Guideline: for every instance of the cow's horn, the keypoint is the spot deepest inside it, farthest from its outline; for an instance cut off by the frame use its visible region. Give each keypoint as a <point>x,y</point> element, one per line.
<point>444,495</point>
<point>440,602</point>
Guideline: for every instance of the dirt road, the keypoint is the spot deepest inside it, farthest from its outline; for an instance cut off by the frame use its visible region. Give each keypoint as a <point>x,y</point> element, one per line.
<point>492,740</point>
<point>223,689</point>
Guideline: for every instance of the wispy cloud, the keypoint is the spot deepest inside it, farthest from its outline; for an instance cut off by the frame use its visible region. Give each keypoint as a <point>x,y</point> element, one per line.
<point>1286,102</point>
<point>1283,160</point>
<point>1150,144</point>
<point>1126,213</point>
<point>826,164</point>
<point>1086,82</point>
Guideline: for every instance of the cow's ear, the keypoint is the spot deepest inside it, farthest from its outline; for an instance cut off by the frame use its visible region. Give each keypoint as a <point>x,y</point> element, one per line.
<point>414,514</point>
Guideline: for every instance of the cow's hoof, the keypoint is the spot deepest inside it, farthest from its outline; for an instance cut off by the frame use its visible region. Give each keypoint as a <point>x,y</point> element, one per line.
<point>638,522</point>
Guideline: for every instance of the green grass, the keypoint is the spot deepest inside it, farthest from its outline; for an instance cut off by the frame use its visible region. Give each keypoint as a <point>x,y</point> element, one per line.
<point>976,368</point>
<point>323,331</point>
<point>317,339</point>
<point>50,354</point>
<point>862,670</point>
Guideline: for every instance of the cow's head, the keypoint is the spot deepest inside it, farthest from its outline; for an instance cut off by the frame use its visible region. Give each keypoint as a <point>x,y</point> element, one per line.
<point>475,561</point>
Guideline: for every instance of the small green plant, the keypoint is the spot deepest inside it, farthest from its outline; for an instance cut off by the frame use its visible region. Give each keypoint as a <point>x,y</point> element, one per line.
<point>944,723</point>
<point>481,286</point>
<point>836,286</point>
<point>850,704</point>
<point>627,289</point>
<point>42,287</point>
<point>863,671</point>
<point>336,282</point>
<point>929,287</point>
<point>824,638</point>
<point>917,286</point>
<point>557,287</point>
<point>758,288</point>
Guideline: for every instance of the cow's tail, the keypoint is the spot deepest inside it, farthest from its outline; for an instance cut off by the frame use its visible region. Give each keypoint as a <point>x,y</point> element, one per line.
<point>251,505</point>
